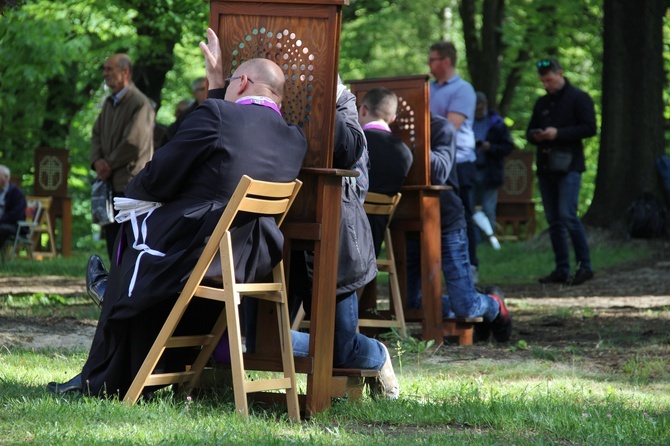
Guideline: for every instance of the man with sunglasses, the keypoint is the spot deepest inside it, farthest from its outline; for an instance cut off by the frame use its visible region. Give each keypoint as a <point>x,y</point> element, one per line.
<point>188,185</point>
<point>561,120</point>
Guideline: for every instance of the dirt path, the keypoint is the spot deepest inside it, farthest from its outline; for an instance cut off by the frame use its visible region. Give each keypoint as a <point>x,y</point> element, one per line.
<point>624,292</point>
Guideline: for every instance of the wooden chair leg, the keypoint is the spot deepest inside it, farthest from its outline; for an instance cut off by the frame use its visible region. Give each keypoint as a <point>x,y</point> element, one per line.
<point>284,324</point>
<point>237,361</point>
<point>394,286</point>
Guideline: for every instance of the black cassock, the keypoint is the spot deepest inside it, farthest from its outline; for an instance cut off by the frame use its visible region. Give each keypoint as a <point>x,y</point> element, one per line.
<point>194,177</point>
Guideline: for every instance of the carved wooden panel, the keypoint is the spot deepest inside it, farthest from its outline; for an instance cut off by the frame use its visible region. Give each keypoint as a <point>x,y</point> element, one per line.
<point>518,170</point>
<point>52,167</point>
<point>412,123</point>
<point>303,39</point>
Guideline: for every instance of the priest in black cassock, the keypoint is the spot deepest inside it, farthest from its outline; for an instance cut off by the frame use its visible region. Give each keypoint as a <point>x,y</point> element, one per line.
<point>237,131</point>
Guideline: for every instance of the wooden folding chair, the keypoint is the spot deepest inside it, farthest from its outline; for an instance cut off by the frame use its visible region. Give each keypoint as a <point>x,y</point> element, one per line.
<point>381,204</point>
<point>44,226</point>
<point>257,197</point>
<point>378,204</point>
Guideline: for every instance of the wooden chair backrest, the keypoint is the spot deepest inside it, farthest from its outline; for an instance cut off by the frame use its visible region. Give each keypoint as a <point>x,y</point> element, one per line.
<point>254,196</point>
<point>381,204</point>
<point>412,123</point>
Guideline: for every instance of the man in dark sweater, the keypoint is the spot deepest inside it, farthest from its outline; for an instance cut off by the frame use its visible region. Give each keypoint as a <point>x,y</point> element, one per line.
<point>560,120</point>
<point>12,206</point>
<point>390,158</point>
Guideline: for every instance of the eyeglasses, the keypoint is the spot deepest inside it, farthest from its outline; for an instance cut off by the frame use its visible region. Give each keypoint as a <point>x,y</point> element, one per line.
<point>228,79</point>
<point>544,63</point>
<point>433,59</point>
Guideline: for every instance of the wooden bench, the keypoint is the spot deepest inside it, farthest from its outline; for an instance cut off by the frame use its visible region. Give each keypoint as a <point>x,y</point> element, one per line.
<point>460,328</point>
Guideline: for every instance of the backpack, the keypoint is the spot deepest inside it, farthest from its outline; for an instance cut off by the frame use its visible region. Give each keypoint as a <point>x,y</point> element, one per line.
<point>646,217</point>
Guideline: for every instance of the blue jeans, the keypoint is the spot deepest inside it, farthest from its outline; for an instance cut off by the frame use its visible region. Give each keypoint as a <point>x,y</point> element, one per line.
<point>560,197</point>
<point>463,300</point>
<point>352,349</point>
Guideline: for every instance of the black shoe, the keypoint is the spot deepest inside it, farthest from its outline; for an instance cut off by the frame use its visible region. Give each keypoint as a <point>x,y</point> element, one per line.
<point>73,385</point>
<point>581,276</point>
<point>481,332</point>
<point>96,279</point>
<point>501,327</point>
<point>554,277</point>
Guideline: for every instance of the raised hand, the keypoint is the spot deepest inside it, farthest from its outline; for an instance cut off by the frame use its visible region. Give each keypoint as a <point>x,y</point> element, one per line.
<point>212,52</point>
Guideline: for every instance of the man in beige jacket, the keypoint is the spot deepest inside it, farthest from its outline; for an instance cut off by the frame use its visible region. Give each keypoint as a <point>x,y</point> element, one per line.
<point>123,133</point>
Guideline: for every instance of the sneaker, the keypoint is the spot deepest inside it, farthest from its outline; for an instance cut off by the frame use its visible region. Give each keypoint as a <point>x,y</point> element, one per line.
<point>386,385</point>
<point>501,327</point>
<point>554,277</point>
<point>581,276</point>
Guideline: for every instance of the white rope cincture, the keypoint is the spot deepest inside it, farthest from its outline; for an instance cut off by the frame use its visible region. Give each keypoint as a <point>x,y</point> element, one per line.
<point>130,209</point>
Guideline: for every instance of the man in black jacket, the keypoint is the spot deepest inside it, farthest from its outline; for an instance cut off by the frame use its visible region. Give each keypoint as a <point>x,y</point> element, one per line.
<point>390,158</point>
<point>194,177</point>
<point>561,119</point>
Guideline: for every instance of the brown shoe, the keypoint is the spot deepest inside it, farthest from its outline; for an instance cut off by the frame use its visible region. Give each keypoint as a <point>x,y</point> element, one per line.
<point>386,385</point>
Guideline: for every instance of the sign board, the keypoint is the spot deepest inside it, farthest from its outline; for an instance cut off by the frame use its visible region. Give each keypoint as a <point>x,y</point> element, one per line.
<point>51,171</point>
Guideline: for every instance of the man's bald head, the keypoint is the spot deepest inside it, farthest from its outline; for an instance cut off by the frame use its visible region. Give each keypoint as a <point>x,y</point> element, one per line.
<point>267,79</point>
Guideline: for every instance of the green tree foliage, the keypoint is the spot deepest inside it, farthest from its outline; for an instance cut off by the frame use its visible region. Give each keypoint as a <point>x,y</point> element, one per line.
<point>389,38</point>
<point>51,54</point>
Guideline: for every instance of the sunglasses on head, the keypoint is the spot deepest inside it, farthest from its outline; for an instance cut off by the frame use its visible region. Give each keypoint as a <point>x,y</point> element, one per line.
<point>544,63</point>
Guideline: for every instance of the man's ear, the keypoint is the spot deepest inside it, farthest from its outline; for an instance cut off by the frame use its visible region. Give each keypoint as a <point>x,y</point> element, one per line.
<point>392,119</point>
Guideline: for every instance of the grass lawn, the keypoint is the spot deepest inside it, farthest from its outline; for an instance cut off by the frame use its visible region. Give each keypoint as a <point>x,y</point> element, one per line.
<point>572,376</point>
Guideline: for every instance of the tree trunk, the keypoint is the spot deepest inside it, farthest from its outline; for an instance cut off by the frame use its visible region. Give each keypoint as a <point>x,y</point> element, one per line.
<point>632,134</point>
<point>484,49</point>
<point>151,68</point>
